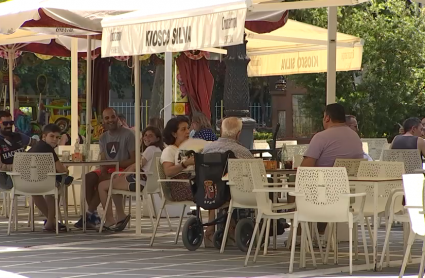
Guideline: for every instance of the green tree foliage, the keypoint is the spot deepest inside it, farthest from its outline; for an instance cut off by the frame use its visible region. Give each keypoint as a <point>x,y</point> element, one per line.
<point>390,86</point>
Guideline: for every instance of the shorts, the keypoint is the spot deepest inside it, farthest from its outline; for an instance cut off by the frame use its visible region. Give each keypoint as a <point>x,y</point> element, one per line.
<point>110,170</point>
<point>132,182</point>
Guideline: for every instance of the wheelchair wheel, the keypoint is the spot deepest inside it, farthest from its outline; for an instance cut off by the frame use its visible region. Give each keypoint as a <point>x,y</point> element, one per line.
<point>243,233</point>
<point>192,234</point>
<point>218,238</point>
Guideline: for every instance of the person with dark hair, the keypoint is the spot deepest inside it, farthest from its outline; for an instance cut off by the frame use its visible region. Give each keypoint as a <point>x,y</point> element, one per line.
<point>10,143</point>
<point>175,133</point>
<point>116,144</point>
<point>123,120</point>
<point>202,127</point>
<point>411,139</point>
<point>48,143</point>
<point>351,122</point>
<point>336,141</point>
<point>151,144</point>
<point>66,138</point>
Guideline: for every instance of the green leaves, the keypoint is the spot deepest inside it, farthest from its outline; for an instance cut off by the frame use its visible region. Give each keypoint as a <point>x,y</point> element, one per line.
<point>391,86</point>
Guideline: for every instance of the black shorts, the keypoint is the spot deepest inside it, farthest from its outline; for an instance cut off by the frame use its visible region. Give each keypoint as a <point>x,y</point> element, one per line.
<point>132,182</point>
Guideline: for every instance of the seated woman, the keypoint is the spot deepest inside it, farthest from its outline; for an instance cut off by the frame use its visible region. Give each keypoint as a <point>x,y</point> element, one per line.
<point>202,127</point>
<point>152,143</point>
<point>175,133</point>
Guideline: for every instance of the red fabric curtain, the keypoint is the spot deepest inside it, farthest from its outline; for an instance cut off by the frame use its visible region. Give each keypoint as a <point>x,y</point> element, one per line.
<point>101,84</point>
<point>198,81</point>
<point>262,27</point>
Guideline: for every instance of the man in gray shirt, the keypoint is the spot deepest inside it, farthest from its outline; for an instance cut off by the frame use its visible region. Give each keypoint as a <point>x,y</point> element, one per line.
<point>117,144</point>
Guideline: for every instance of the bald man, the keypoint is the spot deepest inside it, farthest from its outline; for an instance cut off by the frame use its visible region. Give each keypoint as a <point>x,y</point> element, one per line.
<point>116,144</point>
<point>231,129</point>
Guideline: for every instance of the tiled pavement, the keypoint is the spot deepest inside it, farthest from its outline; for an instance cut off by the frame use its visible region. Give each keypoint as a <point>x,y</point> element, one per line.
<point>75,254</point>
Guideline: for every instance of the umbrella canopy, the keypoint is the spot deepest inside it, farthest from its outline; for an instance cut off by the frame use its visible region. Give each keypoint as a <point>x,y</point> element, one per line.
<point>300,48</point>
<point>174,26</point>
<point>61,17</point>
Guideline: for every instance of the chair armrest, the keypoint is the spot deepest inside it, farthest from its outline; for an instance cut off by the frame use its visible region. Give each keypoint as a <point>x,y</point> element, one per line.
<point>13,173</point>
<point>273,184</point>
<point>173,180</point>
<point>296,194</point>
<point>141,172</point>
<point>56,174</point>
<point>273,190</point>
<point>349,195</point>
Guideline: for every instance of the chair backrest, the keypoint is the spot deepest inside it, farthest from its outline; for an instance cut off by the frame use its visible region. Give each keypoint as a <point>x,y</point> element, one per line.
<point>412,158</point>
<point>375,146</point>
<point>264,204</point>
<point>163,185</point>
<point>152,177</point>
<point>293,150</point>
<point>241,183</point>
<point>413,192</point>
<point>365,146</point>
<point>322,188</point>
<point>378,169</point>
<point>352,165</point>
<point>297,161</point>
<point>279,144</point>
<point>33,170</point>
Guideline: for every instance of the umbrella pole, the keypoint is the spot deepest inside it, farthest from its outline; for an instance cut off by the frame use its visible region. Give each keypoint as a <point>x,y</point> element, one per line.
<point>88,95</point>
<point>137,88</point>
<point>331,74</point>
<point>10,56</point>
<point>74,90</point>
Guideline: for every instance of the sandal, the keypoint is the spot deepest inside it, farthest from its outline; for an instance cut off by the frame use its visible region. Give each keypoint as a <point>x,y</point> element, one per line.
<point>120,226</point>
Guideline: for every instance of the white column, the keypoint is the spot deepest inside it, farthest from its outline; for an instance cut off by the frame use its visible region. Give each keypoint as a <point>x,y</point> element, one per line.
<point>88,94</point>
<point>74,90</point>
<point>168,86</point>
<point>11,56</point>
<point>331,77</point>
<point>137,88</point>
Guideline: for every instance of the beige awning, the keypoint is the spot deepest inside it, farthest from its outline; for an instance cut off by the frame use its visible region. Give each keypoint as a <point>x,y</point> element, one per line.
<point>300,48</point>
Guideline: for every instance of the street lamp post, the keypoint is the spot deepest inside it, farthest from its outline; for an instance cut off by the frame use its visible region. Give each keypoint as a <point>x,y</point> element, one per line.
<point>236,91</point>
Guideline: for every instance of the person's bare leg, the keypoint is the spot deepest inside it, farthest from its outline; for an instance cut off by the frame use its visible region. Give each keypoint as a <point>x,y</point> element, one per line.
<point>120,183</point>
<point>92,180</point>
<point>51,219</point>
<point>40,203</point>
<point>103,195</point>
<point>95,201</point>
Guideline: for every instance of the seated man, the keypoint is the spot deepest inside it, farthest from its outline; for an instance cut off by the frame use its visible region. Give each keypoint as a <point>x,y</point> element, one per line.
<point>411,139</point>
<point>10,143</point>
<point>116,144</point>
<point>231,129</point>
<point>351,121</point>
<point>336,141</point>
<point>50,139</point>
<point>229,141</point>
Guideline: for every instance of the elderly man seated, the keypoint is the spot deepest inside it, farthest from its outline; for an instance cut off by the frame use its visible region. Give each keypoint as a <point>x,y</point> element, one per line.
<point>231,129</point>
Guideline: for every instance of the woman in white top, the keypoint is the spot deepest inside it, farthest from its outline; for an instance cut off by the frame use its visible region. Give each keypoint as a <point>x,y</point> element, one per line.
<point>175,133</point>
<point>152,143</point>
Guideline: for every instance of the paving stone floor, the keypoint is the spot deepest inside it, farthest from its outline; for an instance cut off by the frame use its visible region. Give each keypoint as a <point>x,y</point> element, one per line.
<point>76,254</point>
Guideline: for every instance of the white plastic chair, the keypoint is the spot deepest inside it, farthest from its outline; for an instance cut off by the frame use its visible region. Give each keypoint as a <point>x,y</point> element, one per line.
<point>147,193</point>
<point>413,191</point>
<point>323,195</point>
<point>375,146</point>
<point>167,200</point>
<point>241,190</point>
<point>352,165</point>
<point>378,169</point>
<point>34,174</point>
<point>266,208</point>
<point>297,160</point>
<point>412,159</point>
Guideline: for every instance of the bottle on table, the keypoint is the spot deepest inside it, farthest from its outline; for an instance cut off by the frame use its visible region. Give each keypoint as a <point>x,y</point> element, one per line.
<point>77,157</point>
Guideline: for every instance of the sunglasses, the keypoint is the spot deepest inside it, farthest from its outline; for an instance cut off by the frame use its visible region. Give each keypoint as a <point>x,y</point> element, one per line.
<point>7,123</point>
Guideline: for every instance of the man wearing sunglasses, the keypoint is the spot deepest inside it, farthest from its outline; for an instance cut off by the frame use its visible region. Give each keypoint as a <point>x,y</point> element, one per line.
<point>10,143</point>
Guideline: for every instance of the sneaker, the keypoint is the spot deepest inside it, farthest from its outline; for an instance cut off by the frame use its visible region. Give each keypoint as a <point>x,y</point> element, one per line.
<point>95,218</point>
<point>89,223</point>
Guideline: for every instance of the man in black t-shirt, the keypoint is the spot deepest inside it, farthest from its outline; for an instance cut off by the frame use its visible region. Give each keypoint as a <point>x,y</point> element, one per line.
<point>50,139</point>
<point>10,143</point>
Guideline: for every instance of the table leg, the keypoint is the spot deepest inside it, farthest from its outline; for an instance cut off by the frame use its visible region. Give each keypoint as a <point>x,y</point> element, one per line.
<point>375,225</point>
<point>83,192</point>
<point>274,220</point>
